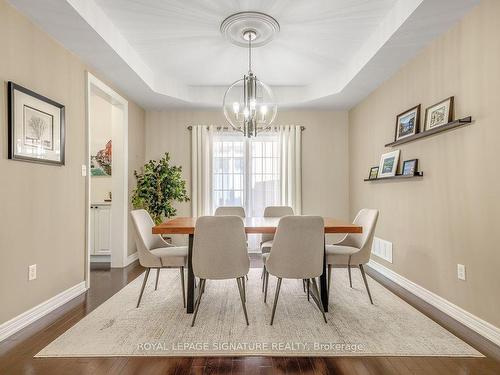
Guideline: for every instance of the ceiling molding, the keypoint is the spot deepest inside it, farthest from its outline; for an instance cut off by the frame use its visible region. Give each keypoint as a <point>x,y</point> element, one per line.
<point>390,33</point>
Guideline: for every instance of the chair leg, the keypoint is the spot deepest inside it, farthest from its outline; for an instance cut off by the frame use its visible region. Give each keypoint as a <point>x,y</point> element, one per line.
<point>329,277</point>
<point>241,288</point>
<point>276,295</point>
<point>316,298</point>
<point>266,283</point>
<point>349,270</point>
<point>183,287</point>
<point>143,285</point>
<point>263,278</point>
<point>366,282</point>
<point>304,284</point>
<point>308,289</point>
<point>197,305</point>
<point>157,276</point>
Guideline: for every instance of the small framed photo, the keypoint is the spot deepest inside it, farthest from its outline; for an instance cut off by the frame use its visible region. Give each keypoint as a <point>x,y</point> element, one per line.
<point>439,114</point>
<point>407,123</point>
<point>36,127</point>
<point>410,167</point>
<point>388,164</point>
<point>373,173</point>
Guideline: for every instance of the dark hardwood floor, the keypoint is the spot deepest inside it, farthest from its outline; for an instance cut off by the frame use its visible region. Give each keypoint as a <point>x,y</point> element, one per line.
<point>16,353</point>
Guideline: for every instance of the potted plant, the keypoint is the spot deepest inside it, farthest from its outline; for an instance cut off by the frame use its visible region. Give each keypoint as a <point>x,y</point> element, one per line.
<point>159,185</point>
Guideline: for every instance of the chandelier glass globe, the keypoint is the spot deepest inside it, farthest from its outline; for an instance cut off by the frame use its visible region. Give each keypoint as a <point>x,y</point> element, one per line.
<point>249,104</point>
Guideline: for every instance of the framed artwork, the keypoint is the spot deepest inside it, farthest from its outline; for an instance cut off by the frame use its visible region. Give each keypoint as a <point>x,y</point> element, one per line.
<point>407,123</point>
<point>373,173</point>
<point>388,164</point>
<point>100,163</point>
<point>439,114</point>
<point>410,167</point>
<point>36,127</point>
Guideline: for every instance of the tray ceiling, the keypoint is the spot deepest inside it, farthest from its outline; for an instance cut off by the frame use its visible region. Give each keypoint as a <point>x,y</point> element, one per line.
<point>170,53</point>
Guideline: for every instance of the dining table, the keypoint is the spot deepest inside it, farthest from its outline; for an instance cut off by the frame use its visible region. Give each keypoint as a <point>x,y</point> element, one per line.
<point>253,225</point>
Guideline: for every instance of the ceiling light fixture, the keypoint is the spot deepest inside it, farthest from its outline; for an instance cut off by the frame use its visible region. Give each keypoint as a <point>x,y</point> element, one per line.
<point>249,104</point>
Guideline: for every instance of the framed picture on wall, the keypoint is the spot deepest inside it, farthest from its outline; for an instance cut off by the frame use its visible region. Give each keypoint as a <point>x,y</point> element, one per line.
<point>388,164</point>
<point>36,127</point>
<point>439,114</point>
<point>407,123</point>
<point>373,173</point>
<point>101,162</point>
<point>410,167</point>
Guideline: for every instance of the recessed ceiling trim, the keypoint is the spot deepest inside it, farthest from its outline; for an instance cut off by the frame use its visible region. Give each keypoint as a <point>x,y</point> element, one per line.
<point>85,28</point>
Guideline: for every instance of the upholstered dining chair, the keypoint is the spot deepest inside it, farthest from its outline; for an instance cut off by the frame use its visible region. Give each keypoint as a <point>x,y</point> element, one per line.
<point>273,211</point>
<point>354,249</point>
<point>220,253</point>
<point>230,210</point>
<point>267,239</point>
<point>155,252</point>
<point>296,253</point>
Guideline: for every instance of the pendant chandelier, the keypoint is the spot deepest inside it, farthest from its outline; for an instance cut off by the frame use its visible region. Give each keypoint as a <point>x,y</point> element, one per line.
<point>249,104</point>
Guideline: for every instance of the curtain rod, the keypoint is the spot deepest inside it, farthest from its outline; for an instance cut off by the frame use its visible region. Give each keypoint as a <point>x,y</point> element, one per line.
<point>190,127</point>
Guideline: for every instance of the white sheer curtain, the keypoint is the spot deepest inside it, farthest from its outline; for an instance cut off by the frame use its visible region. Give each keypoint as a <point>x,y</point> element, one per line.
<point>202,173</point>
<point>201,170</point>
<point>291,167</point>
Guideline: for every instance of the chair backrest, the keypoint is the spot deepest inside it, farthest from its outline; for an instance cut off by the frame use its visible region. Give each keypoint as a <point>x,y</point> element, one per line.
<point>220,248</point>
<point>298,248</point>
<point>145,240</point>
<point>366,218</point>
<point>275,211</point>
<point>230,210</point>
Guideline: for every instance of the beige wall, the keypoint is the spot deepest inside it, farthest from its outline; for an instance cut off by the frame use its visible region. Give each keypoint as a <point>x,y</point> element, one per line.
<point>100,121</point>
<point>136,157</point>
<point>324,156</point>
<point>451,215</point>
<point>42,207</point>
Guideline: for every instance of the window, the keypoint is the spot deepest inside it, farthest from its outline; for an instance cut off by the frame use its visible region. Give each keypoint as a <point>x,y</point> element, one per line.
<point>229,171</point>
<point>246,172</point>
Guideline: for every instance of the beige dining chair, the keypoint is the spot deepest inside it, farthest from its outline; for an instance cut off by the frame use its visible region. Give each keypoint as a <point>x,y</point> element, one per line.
<point>296,253</point>
<point>220,253</point>
<point>230,210</point>
<point>155,252</point>
<point>267,239</point>
<point>354,249</point>
<point>273,211</point>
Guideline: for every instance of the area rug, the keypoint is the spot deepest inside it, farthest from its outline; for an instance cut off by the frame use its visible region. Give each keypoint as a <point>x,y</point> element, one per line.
<point>160,326</point>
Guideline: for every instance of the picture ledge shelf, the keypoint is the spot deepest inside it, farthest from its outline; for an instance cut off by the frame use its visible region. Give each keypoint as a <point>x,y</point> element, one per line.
<point>397,177</point>
<point>427,133</point>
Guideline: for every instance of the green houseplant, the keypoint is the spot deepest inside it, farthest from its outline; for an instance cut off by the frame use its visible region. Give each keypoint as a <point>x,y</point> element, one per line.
<point>159,185</point>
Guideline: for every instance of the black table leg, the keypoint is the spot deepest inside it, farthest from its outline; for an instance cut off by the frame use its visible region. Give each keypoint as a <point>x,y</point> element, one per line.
<point>191,297</point>
<point>322,281</point>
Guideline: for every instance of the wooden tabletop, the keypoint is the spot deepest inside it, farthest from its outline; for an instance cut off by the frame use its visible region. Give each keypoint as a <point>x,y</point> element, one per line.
<point>259,225</point>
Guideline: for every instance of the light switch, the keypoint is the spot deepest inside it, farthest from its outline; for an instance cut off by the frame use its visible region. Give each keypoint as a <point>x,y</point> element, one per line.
<point>461,271</point>
<point>32,272</point>
<point>84,170</point>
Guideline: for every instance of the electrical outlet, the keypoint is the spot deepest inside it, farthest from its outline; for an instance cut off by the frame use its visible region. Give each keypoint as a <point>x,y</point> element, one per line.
<point>461,271</point>
<point>32,272</point>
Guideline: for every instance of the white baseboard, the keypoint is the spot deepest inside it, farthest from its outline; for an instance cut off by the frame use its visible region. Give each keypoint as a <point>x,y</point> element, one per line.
<point>132,258</point>
<point>482,327</point>
<point>26,318</point>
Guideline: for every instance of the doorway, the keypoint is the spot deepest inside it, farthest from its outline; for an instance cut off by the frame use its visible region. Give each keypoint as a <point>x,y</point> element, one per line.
<point>107,176</point>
